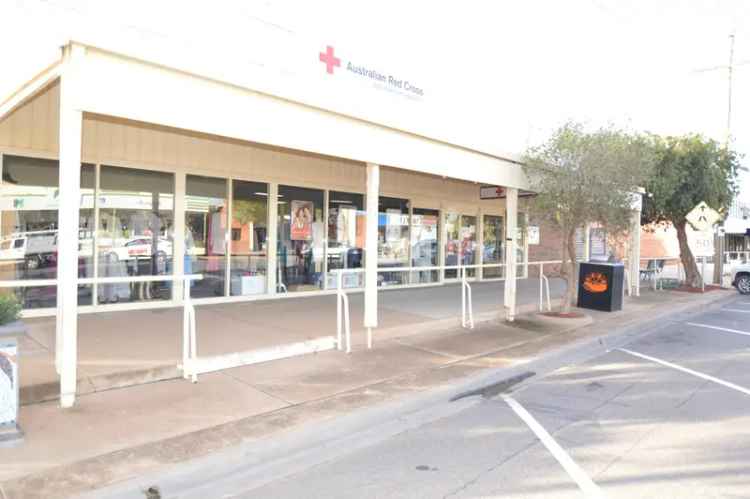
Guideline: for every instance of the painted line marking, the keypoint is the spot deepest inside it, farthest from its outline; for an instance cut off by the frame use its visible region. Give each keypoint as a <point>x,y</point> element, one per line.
<point>707,377</point>
<point>589,488</point>
<point>725,329</point>
<point>735,310</point>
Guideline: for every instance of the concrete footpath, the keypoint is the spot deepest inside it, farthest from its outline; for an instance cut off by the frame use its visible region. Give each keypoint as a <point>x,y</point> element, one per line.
<point>121,434</point>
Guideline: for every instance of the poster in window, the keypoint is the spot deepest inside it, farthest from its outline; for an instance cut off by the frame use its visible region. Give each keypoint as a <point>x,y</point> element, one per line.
<point>302,220</point>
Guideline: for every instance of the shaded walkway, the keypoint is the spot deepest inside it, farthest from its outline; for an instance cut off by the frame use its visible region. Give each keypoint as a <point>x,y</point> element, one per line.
<point>124,348</point>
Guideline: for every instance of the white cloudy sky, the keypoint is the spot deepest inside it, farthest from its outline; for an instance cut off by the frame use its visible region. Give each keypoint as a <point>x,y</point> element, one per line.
<point>518,67</point>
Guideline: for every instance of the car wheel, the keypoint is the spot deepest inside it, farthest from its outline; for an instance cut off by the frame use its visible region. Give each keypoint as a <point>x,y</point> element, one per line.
<point>743,284</point>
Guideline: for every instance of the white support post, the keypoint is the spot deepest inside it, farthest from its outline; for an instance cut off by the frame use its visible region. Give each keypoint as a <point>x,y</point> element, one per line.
<point>634,259</point>
<point>511,222</point>
<point>71,135</point>
<point>272,251</point>
<point>178,237</point>
<point>371,251</point>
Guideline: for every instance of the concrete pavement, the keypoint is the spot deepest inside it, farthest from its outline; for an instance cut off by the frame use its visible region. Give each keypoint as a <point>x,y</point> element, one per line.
<point>122,434</point>
<point>632,427</point>
<point>118,349</point>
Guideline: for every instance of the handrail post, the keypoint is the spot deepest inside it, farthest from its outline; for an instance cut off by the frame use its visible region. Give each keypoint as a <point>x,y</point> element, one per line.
<point>339,280</point>
<point>541,289</point>
<point>462,273</point>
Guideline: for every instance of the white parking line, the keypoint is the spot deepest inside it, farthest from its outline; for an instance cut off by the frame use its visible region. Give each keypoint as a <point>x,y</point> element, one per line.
<point>735,310</point>
<point>589,488</point>
<point>707,377</point>
<point>725,329</point>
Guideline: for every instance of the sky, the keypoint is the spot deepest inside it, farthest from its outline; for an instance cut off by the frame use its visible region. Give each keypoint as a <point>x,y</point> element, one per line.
<point>516,68</point>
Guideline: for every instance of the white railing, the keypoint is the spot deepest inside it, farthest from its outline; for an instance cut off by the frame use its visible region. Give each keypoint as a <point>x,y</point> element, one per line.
<point>343,323</point>
<point>188,318</point>
<point>189,333</point>
<point>656,275</point>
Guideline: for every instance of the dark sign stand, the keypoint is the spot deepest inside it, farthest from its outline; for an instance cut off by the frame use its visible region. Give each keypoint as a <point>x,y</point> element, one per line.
<point>600,286</point>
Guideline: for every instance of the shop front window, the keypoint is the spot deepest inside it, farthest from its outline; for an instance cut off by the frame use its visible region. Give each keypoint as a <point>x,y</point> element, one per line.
<point>460,244</point>
<point>248,243</point>
<point>393,240</point>
<point>493,248</point>
<point>301,232</point>
<point>135,234</point>
<point>425,242</point>
<point>469,243</point>
<point>346,237</point>
<point>28,227</point>
<point>206,234</point>
<point>521,270</point>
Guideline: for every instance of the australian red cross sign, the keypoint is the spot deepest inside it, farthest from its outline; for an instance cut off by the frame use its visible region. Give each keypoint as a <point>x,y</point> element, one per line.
<point>390,82</point>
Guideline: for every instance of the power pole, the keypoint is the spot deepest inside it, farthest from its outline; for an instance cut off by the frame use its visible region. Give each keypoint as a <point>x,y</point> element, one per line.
<point>730,70</point>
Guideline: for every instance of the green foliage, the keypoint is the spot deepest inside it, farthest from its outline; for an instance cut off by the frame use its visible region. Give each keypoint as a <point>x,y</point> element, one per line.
<point>689,170</point>
<point>245,211</point>
<point>584,177</point>
<point>10,309</point>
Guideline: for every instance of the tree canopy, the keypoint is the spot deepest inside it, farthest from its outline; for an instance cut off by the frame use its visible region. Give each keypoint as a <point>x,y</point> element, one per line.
<point>587,177</point>
<point>689,169</point>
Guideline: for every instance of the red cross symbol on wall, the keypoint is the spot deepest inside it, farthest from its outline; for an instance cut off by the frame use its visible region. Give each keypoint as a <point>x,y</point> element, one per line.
<point>330,59</point>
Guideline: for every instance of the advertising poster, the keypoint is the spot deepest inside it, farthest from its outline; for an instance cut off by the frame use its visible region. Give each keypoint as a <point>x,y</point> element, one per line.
<point>302,220</point>
<point>8,380</point>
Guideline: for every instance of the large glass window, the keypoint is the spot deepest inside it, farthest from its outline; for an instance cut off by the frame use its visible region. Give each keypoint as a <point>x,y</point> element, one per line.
<point>86,230</point>
<point>28,226</point>
<point>346,237</point>
<point>393,239</point>
<point>301,232</point>
<point>469,243</point>
<point>136,220</point>
<point>460,244</point>
<point>493,246</point>
<point>206,234</point>
<point>248,238</point>
<point>425,239</point>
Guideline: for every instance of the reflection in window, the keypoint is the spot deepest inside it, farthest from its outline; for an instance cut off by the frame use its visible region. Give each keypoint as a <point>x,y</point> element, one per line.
<point>493,249</point>
<point>28,226</point>
<point>460,244</point>
<point>346,237</point>
<point>300,237</point>
<point>424,244</point>
<point>452,243</point>
<point>205,234</point>
<point>248,245</point>
<point>136,217</point>
<point>469,243</point>
<point>393,239</point>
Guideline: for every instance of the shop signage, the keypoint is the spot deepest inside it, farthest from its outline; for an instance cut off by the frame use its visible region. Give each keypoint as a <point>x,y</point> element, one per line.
<point>302,219</point>
<point>532,234</point>
<point>388,82</point>
<point>491,192</point>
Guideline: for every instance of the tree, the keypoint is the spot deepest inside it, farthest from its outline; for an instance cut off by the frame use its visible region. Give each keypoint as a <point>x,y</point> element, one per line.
<point>583,178</point>
<point>689,169</point>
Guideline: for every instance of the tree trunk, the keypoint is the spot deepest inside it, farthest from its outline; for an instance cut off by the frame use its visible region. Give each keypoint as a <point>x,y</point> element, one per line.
<point>693,277</point>
<point>568,268</point>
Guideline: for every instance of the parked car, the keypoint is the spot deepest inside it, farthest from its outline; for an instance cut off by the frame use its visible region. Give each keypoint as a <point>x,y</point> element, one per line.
<point>741,278</point>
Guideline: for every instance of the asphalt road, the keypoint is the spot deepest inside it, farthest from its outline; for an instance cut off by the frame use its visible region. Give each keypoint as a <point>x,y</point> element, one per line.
<point>666,417</point>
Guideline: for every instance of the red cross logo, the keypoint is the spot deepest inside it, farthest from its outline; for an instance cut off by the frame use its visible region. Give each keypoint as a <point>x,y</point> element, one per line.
<point>330,60</point>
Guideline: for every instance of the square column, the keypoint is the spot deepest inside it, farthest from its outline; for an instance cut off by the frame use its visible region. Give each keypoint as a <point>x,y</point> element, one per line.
<point>634,258</point>
<point>71,131</point>
<point>272,250</point>
<point>371,250</point>
<point>511,224</point>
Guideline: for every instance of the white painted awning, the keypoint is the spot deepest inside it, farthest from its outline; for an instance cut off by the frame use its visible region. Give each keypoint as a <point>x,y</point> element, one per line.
<point>120,86</point>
